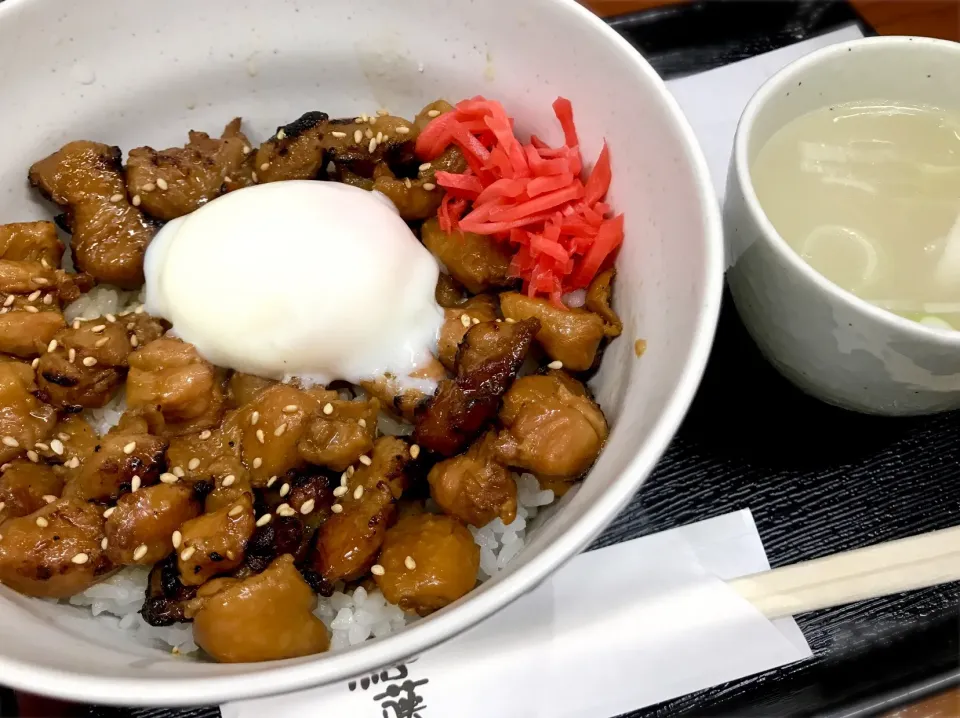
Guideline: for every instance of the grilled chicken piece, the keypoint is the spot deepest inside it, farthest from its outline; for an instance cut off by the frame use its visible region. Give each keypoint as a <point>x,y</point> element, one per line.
<point>570,336</point>
<point>449,292</point>
<point>139,529</point>
<point>89,360</point>
<point>174,182</point>
<point>357,146</point>
<point>488,361</point>
<point>478,262</point>
<point>419,198</point>
<point>110,235</point>
<point>265,617</point>
<point>26,486</point>
<point>23,420</point>
<point>431,112</point>
<point>175,388</point>
<point>295,152</point>
<point>598,301</point>
<point>283,535</point>
<point>458,320</point>
<point>475,487</point>
<point>428,561</point>
<point>243,388</point>
<point>210,454</point>
<point>400,401</point>
<point>348,542</point>
<point>166,597</point>
<point>72,440</point>
<point>214,543</point>
<point>26,334</point>
<point>31,242</point>
<point>55,551</point>
<point>124,457</point>
<point>553,428</point>
<point>340,433</point>
<point>308,494</point>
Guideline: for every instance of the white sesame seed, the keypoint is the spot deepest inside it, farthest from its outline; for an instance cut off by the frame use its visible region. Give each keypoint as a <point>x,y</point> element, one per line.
<point>284,490</point>
<point>135,483</point>
<point>377,570</point>
<point>358,136</point>
<point>279,430</point>
<point>31,310</point>
<point>116,198</point>
<point>3,505</point>
<point>425,166</point>
<point>257,462</point>
<point>284,510</point>
<point>365,460</point>
<point>339,491</point>
<point>100,342</point>
<point>362,423</point>
<point>247,149</point>
<point>228,480</point>
<point>104,543</point>
<point>307,506</point>
<point>89,361</point>
<point>76,324</point>
<point>379,137</point>
<point>336,508</point>
<point>11,442</point>
<point>72,355</point>
<point>42,522</point>
<point>290,408</point>
<point>41,281</point>
<point>265,166</point>
<point>339,135</point>
<point>358,492</point>
<point>43,446</point>
<point>260,435</point>
<point>235,511</point>
<point>350,470</point>
<point>281,134</point>
<point>161,183</point>
<point>176,538</point>
<point>99,328</point>
<point>555,365</point>
<point>48,299</point>
<point>465,320</point>
<point>373,120</point>
<point>110,318</point>
<point>205,434</point>
<point>271,481</point>
<point>33,456</point>
<point>264,520</point>
<point>228,180</point>
<point>63,436</point>
<point>402,130</point>
<point>80,559</point>
<point>193,463</point>
<point>44,263</point>
<point>409,563</point>
<point>429,186</point>
<point>433,113</point>
<point>136,200</point>
<point>148,187</point>
<point>372,147</point>
<point>328,408</point>
<point>168,478</point>
<point>33,296</point>
<point>140,309</point>
<point>9,300</point>
<point>343,479</point>
<point>187,553</point>
<point>134,341</point>
<point>231,555</point>
<point>254,176</point>
<point>57,446</point>
<point>49,498</point>
<point>254,418</point>
<point>178,472</point>
<point>414,451</point>
<point>407,182</point>
<point>73,463</point>
<point>510,320</point>
<point>140,552</point>
<point>360,120</point>
<point>35,363</point>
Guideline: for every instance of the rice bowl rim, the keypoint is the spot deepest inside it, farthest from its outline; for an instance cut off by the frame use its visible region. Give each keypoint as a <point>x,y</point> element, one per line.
<point>297,674</point>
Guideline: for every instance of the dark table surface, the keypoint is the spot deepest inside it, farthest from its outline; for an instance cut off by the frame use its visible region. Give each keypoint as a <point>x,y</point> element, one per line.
<point>818,479</point>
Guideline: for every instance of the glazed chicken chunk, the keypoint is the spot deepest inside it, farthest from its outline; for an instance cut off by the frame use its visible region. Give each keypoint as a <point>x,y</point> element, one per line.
<point>174,182</point>
<point>265,617</point>
<point>165,600</point>
<point>26,486</point>
<point>244,388</point>
<point>55,551</point>
<point>418,198</point>
<point>553,428</point>
<point>401,400</point>
<point>427,562</point>
<point>475,487</point>
<point>110,235</point>
<point>23,420</point>
<point>31,242</point>
<point>295,152</point>
<point>359,146</point>
<point>458,320</point>
<point>488,360</point>
<point>338,435</point>
<point>175,388</point>
<point>478,262</point>
<point>214,543</point>
<point>139,529</point>
<point>598,301</point>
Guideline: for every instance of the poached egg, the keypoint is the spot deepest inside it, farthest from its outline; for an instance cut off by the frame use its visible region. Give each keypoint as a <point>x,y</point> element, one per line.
<point>299,279</point>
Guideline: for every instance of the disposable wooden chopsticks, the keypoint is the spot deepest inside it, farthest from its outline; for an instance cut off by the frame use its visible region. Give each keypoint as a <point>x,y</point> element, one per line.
<point>891,567</point>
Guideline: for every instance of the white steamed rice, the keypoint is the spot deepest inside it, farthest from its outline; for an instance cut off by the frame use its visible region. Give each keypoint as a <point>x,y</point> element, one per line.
<point>352,617</point>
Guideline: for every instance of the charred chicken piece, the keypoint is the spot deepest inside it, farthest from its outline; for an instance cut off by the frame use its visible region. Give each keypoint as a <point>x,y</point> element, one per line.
<point>23,419</point>
<point>553,428</point>
<point>26,486</point>
<point>570,336</point>
<point>110,235</point>
<point>475,487</point>
<point>295,152</point>
<point>358,146</point>
<point>488,361</point>
<point>166,597</point>
<point>174,182</point>
<point>215,543</point>
<point>55,551</point>
<point>342,431</point>
<point>457,322</point>
<point>265,617</point>
<point>139,529</point>
<point>449,292</point>
<point>282,535</point>
<point>428,561</point>
<point>478,262</point>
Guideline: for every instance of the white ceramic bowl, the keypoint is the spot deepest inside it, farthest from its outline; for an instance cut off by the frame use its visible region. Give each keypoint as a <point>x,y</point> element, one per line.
<point>825,340</point>
<point>133,73</point>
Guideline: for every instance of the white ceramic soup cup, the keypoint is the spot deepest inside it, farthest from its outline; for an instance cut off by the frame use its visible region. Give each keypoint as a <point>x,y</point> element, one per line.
<point>135,73</point>
<point>828,342</point>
